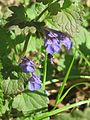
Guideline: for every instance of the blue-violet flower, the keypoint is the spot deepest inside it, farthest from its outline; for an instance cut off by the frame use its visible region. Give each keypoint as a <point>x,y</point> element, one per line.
<point>66,41</point>
<point>52,43</point>
<point>55,40</point>
<point>34,82</point>
<point>27,65</point>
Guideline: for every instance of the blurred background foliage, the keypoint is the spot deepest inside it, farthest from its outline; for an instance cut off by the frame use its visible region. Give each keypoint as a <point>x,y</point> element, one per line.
<point>19,18</point>
<point>22,22</point>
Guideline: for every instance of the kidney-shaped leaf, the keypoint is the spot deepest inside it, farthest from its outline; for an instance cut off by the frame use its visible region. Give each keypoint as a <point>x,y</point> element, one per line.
<point>30,102</point>
<point>12,86</point>
<point>68,20</point>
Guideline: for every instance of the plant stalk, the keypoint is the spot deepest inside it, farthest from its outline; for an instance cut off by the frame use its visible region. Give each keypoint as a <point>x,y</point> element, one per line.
<point>64,82</point>
<point>45,71</point>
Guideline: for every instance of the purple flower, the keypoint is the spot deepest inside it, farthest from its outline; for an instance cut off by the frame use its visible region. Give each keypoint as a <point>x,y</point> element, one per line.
<point>27,65</point>
<point>55,40</point>
<point>66,42</point>
<point>52,43</point>
<point>52,34</point>
<point>34,83</point>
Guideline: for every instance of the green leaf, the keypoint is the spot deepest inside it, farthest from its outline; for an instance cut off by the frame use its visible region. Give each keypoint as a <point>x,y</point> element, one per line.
<point>54,8</point>
<point>56,111</point>
<point>82,42</point>
<point>82,37</point>
<point>68,20</point>
<point>5,106</point>
<point>75,115</point>
<point>18,15</point>
<point>30,102</point>
<point>61,89</point>
<point>4,41</point>
<point>87,113</point>
<point>33,11</point>
<point>66,4</point>
<point>63,116</point>
<point>19,39</point>
<point>45,1</point>
<point>34,43</point>
<point>12,86</point>
<point>1,92</point>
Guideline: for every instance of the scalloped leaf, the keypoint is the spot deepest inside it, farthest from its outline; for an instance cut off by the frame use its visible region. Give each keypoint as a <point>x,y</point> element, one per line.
<point>54,8</point>
<point>82,37</point>
<point>68,20</point>
<point>12,86</point>
<point>31,102</point>
<point>18,15</point>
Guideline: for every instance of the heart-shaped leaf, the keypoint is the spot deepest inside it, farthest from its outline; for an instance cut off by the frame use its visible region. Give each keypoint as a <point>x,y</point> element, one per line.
<point>30,102</point>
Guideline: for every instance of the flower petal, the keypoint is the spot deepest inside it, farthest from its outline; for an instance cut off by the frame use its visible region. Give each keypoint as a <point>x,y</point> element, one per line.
<point>50,49</point>
<point>27,65</point>
<point>66,42</point>
<point>52,34</point>
<point>33,86</point>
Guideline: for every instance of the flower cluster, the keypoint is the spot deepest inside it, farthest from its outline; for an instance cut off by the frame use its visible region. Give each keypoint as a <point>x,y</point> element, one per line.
<point>54,41</point>
<point>28,66</point>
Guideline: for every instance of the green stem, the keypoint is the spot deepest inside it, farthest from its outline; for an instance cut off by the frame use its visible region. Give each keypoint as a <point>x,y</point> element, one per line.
<point>64,82</point>
<point>45,71</point>
<point>64,95</point>
<point>54,112</point>
<point>70,77</point>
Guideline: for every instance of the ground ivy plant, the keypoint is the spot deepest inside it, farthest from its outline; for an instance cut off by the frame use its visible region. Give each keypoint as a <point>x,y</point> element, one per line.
<point>33,33</point>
